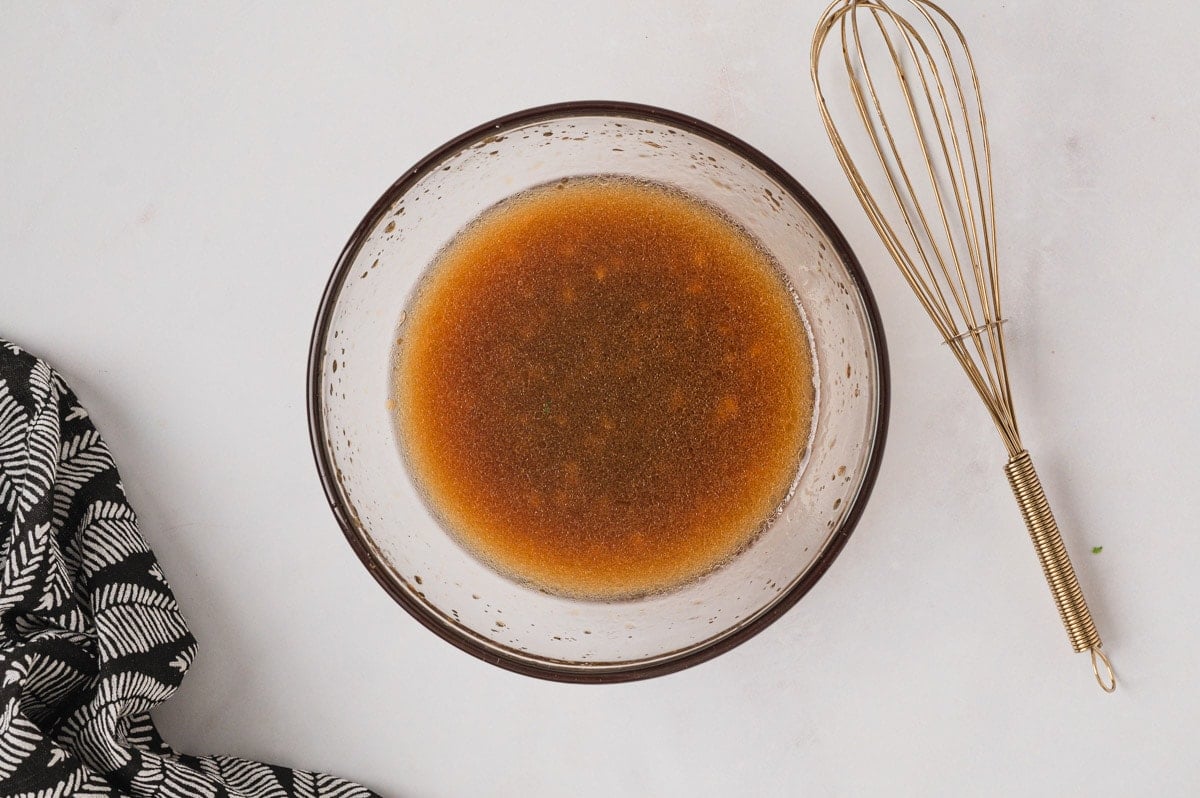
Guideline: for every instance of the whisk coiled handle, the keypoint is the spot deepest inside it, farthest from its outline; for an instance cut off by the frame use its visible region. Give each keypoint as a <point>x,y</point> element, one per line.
<point>1056,565</point>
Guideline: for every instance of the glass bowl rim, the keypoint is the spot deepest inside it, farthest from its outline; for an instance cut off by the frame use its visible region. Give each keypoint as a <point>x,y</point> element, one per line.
<point>551,670</point>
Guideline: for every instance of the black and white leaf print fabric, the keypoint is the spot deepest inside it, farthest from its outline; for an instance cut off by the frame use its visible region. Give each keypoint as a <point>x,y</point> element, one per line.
<point>90,635</point>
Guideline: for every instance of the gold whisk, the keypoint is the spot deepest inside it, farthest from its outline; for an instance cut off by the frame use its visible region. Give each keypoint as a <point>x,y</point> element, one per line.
<point>925,124</point>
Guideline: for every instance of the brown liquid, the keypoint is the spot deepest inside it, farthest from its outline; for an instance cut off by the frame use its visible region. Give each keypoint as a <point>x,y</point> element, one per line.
<point>603,388</point>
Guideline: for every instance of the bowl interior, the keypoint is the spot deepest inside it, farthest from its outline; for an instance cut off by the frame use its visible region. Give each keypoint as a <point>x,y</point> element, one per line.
<point>367,480</point>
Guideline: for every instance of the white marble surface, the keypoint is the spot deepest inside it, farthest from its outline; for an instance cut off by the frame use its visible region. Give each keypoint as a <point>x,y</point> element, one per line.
<point>178,180</point>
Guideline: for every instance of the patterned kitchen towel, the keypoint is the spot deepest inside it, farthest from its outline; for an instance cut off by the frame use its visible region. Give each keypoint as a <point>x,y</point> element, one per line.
<point>90,635</point>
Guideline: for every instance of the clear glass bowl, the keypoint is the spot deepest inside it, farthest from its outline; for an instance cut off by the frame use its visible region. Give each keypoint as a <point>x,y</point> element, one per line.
<point>374,499</point>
